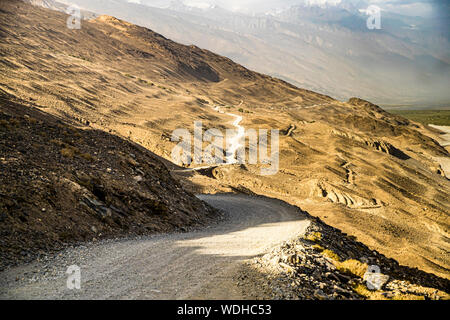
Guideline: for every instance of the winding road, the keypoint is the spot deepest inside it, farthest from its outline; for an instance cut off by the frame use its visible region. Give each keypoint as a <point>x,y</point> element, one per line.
<point>236,141</point>
<point>233,144</point>
<point>194,265</point>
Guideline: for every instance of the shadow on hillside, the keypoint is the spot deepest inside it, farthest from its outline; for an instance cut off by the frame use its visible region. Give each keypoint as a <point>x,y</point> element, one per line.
<point>181,247</point>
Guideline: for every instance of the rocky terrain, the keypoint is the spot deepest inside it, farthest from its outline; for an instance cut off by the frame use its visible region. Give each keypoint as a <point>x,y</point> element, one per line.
<point>61,184</point>
<point>373,175</point>
<point>326,264</point>
<point>199,264</point>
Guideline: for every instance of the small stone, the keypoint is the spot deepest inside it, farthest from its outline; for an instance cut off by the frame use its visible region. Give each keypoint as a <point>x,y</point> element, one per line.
<point>319,294</point>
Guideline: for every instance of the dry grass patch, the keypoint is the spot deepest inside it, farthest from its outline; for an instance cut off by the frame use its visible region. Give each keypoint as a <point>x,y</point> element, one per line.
<point>70,152</point>
<point>330,254</point>
<point>379,295</point>
<point>314,237</point>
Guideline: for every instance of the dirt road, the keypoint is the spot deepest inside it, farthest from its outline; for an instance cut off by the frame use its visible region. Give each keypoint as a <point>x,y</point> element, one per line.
<point>199,264</point>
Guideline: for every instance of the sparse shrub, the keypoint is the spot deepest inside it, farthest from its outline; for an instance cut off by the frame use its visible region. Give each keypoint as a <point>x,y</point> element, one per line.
<point>405,296</point>
<point>362,290</point>
<point>67,152</point>
<point>87,156</point>
<point>314,237</point>
<point>352,267</point>
<point>142,81</point>
<point>330,254</point>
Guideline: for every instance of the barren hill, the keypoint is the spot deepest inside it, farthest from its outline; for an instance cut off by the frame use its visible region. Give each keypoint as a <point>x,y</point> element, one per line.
<point>372,174</point>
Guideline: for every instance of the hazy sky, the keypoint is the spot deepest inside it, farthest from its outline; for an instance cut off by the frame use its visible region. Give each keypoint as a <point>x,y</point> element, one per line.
<point>407,7</point>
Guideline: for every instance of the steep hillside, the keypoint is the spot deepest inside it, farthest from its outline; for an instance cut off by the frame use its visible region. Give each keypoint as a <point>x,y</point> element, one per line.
<point>327,49</point>
<point>373,175</point>
<point>61,184</point>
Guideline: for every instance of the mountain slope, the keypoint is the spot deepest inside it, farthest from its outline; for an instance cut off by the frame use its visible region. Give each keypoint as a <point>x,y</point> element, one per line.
<point>328,50</point>
<point>60,184</point>
<point>373,175</point>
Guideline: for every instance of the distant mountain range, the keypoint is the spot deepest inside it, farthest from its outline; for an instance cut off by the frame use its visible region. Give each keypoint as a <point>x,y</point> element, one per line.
<point>328,49</point>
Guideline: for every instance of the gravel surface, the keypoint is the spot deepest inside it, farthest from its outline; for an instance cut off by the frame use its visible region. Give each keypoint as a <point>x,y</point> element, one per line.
<point>199,264</point>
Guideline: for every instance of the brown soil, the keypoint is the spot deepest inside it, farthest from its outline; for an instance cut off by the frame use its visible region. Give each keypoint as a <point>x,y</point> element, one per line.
<point>369,173</point>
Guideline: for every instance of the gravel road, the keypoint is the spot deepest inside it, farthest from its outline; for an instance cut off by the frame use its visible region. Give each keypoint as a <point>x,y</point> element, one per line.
<point>195,265</point>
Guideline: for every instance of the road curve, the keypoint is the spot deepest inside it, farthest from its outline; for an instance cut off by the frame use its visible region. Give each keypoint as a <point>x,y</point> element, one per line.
<point>195,265</point>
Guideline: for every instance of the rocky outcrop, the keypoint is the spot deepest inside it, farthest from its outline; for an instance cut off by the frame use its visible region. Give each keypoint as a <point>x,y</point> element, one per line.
<point>327,264</point>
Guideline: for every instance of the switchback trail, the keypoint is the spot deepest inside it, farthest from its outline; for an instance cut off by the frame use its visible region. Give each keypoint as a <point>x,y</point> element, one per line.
<point>194,265</point>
